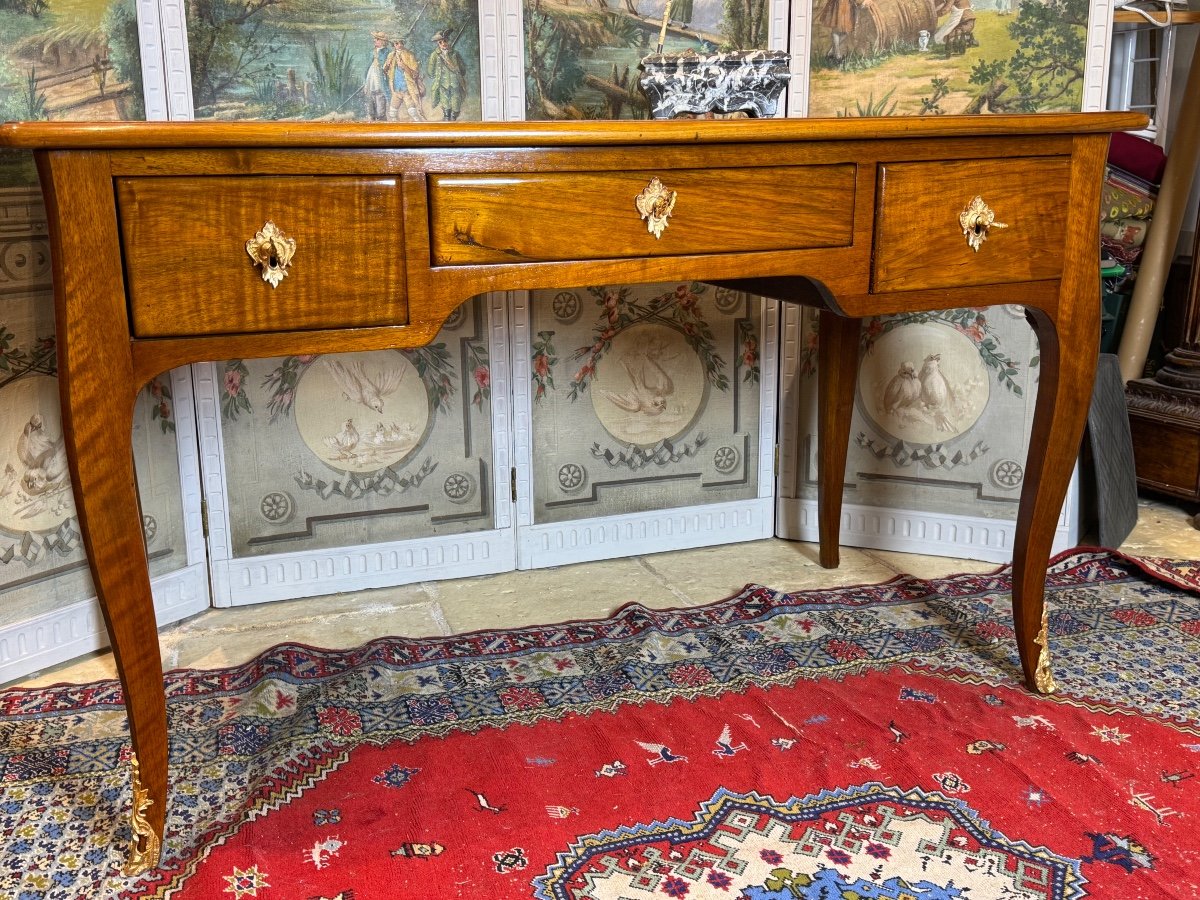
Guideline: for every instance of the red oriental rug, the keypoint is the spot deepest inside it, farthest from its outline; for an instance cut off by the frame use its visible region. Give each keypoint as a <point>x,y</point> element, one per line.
<point>866,743</point>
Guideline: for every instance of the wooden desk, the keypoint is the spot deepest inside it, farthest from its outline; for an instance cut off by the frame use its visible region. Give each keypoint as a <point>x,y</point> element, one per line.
<point>394,226</point>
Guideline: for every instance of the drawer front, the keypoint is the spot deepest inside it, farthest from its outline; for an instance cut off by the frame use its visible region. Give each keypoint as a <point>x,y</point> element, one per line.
<point>502,218</point>
<point>188,270</point>
<point>919,241</point>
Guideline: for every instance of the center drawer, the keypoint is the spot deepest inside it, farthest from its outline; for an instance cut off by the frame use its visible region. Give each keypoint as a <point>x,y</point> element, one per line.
<point>479,219</point>
<point>188,270</point>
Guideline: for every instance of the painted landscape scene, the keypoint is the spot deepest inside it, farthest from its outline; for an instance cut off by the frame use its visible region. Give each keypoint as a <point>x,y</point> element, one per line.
<point>581,56</point>
<point>407,60</point>
<point>935,57</point>
<point>69,59</point>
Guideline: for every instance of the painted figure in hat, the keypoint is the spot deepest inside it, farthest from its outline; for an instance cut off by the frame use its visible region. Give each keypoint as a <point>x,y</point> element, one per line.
<point>447,77</point>
<point>375,86</point>
<point>403,72</point>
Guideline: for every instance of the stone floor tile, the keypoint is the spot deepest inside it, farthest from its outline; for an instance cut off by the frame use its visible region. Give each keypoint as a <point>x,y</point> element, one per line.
<point>929,566</point>
<point>707,574</point>
<point>543,596</point>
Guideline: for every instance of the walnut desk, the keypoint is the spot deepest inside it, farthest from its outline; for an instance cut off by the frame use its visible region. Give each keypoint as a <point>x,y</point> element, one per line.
<point>177,243</point>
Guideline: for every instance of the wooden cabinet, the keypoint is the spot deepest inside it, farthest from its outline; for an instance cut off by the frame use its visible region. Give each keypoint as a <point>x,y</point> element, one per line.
<point>1164,411</point>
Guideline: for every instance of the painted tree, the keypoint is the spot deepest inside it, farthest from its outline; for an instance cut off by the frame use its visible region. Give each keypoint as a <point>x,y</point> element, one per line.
<point>745,24</point>
<point>125,53</point>
<point>557,39</point>
<point>1047,70</point>
<point>228,44</point>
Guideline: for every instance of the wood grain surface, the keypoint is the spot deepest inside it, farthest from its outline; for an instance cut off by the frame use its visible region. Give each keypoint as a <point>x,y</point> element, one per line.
<point>716,211</point>
<point>920,243</point>
<point>189,273</point>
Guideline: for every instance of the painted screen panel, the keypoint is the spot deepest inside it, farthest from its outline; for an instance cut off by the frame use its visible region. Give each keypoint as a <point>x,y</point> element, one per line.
<point>644,397</point>
<point>80,60</point>
<point>943,57</point>
<point>581,62</point>
<point>360,448</point>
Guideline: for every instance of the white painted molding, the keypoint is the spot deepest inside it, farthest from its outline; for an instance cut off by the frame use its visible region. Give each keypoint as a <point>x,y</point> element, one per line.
<point>769,396</point>
<point>1097,56</point>
<point>286,576</point>
<point>512,59</point>
<point>522,415</point>
<point>154,80</point>
<point>177,67</point>
<point>70,631</point>
<point>188,449</point>
<point>215,489</point>
<point>800,46</point>
<point>610,537</point>
<point>923,532</point>
<point>500,351</point>
<point>491,61</point>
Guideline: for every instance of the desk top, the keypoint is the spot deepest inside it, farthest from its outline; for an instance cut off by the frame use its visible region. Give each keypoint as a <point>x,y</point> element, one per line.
<point>118,135</point>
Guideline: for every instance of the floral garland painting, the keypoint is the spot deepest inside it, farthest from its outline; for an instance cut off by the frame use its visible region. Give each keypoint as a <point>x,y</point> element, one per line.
<point>659,384</point>
<point>353,448</point>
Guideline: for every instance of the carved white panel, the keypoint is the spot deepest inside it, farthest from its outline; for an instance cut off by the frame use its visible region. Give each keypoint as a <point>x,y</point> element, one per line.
<point>800,46</point>
<point>1099,40</point>
<point>285,576</point>
<point>491,60</point>
<point>512,59</point>
<point>78,628</point>
<point>924,532</point>
<point>586,540</point>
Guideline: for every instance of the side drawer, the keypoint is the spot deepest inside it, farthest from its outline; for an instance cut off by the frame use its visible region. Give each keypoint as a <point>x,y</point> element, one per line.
<point>920,244</point>
<point>188,271</point>
<point>502,218</point>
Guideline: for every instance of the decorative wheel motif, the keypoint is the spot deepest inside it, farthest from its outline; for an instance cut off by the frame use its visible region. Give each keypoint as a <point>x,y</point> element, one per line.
<point>455,318</point>
<point>726,300</point>
<point>1008,473</point>
<point>571,477</point>
<point>276,507</point>
<point>149,528</point>
<point>566,306</point>
<point>458,487</point>
<point>725,459</point>
<point>24,260</point>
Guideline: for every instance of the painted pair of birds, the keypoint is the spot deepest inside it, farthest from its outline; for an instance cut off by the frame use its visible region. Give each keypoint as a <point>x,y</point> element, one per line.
<point>928,392</point>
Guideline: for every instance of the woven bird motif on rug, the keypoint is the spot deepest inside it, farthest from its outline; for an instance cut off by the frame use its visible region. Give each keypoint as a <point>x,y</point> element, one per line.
<point>846,744</point>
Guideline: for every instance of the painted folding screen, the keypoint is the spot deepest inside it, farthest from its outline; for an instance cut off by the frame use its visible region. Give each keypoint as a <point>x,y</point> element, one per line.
<point>74,60</point>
